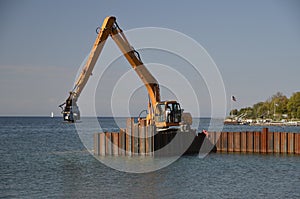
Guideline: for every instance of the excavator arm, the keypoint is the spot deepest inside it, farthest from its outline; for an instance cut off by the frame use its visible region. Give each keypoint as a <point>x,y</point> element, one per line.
<point>166,113</point>
<point>135,61</point>
<point>71,111</point>
<point>93,57</point>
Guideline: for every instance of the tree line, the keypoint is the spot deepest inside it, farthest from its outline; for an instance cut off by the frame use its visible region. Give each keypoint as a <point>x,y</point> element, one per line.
<point>276,107</point>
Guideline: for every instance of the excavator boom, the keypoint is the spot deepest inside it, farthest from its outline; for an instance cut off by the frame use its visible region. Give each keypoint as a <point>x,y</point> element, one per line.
<point>93,57</point>
<point>167,113</point>
<point>135,61</point>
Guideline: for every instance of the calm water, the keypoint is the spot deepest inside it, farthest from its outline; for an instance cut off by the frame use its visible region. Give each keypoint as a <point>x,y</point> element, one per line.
<point>44,157</point>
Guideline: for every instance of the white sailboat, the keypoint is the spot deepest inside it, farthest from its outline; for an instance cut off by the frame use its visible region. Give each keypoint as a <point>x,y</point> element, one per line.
<point>52,114</point>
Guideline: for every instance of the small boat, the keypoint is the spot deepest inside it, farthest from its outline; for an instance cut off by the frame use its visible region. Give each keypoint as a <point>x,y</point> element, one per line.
<point>52,114</point>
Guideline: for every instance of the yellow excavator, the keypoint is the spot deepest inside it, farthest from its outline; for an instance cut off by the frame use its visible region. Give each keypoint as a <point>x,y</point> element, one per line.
<point>162,114</point>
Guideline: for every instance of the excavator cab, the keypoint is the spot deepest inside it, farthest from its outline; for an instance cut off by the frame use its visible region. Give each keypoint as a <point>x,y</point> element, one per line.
<point>167,114</point>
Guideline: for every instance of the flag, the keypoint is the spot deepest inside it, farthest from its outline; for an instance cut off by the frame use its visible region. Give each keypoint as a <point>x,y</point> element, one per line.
<point>205,132</point>
<point>233,98</point>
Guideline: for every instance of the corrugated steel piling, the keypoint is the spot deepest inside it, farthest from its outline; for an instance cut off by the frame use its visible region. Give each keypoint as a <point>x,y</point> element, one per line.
<point>143,140</point>
<point>263,138</point>
<point>283,142</point>
<point>243,142</point>
<point>257,141</point>
<point>276,142</point>
<point>270,142</point>
<point>237,142</point>
<point>250,145</point>
<point>297,143</point>
<point>230,142</point>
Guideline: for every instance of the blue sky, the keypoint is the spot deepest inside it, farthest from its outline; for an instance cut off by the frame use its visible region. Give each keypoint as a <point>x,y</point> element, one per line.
<point>255,45</point>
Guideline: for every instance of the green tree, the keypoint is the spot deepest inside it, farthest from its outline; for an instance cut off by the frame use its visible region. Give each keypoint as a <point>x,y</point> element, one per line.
<point>263,110</point>
<point>246,112</point>
<point>293,105</point>
<point>274,107</point>
<point>257,109</point>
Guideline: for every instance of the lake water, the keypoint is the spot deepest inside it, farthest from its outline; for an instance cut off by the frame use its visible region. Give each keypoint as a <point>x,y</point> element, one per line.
<point>44,158</point>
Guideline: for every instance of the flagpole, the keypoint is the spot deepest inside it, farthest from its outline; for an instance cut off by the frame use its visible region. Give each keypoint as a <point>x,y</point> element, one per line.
<point>230,107</point>
<point>274,111</point>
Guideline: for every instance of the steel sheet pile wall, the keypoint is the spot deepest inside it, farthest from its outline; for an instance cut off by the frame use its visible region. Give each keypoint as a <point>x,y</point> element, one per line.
<point>135,140</point>
<point>256,142</point>
<point>143,140</point>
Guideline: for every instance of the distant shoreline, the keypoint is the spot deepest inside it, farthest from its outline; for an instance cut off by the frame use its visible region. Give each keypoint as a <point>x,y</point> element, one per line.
<point>276,124</point>
<point>250,123</point>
